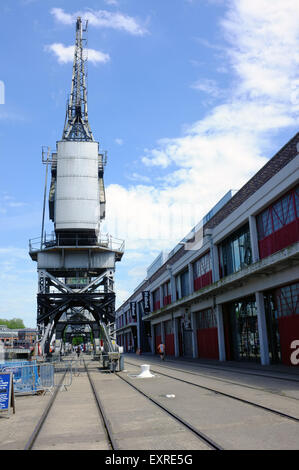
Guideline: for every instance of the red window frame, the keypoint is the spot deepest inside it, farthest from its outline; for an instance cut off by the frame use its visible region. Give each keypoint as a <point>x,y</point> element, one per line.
<point>278,224</point>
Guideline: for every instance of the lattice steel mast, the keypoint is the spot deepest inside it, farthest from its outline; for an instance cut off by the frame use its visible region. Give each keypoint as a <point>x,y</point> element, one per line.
<point>77,126</point>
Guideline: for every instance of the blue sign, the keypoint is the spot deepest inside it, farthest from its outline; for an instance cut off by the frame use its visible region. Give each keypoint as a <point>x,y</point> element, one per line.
<point>5,390</point>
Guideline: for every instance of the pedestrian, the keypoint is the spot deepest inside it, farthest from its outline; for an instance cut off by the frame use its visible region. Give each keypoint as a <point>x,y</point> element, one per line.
<point>161,349</point>
<point>78,351</point>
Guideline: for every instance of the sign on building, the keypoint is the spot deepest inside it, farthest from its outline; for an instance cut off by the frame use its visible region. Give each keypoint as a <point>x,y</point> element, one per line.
<point>133,309</point>
<point>146,301</point>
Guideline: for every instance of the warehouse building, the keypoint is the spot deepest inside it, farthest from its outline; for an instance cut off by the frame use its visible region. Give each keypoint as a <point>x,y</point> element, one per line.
<point>229,290</point>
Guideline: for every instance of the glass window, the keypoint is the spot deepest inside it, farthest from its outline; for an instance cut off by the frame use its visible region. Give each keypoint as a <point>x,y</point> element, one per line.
<point>156,295</point>
<point>235,251</point>
<point>264,224</point>
<point>206,319</point>
<point>185,283</point>
<point>156,299</point>
<point>283,212</point>
<point>168,327</point>
<point>279,214</point>
<point>288,300</point>
<point>202,266</point>
<point>166,289</point>
<point>244,326</point>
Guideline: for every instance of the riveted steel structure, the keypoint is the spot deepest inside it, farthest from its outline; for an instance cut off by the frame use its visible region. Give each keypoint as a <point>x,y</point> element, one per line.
<point>76,263</point>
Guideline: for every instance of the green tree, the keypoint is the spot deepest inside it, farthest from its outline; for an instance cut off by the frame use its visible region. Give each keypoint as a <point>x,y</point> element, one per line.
<point>13,324</point>
<point>77,340</point>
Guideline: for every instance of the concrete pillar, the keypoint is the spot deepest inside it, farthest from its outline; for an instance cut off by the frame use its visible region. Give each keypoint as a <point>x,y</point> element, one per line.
<point>138,326</point>
<point>176,337</point>
<point>254,239</point>
<point>220,330</point>
<point>178,288</point>
<point>172,286</point>
<point>152,339</point>
<point>161,296</point>
<point>191,278</point>
<point>162,332</point>
<point>194,335</point>
<point>262,327</point>
<point>214,257</point>
<point>151,302</point>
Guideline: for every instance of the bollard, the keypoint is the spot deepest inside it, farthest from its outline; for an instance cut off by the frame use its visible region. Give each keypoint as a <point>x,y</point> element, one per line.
<point>145,372</point>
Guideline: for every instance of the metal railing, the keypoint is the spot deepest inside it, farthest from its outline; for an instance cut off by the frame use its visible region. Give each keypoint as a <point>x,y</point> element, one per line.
<point>76,240</point>
<point>30,378</point>
<point>38,377</point>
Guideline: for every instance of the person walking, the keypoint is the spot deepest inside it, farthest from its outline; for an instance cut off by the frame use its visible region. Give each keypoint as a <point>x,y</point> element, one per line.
<point>78,351</point>
<point>161,349</point>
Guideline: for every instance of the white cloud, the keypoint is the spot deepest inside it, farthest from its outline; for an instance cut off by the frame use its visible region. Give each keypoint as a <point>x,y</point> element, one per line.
<point>263,39</point>
<point>139,178</point>
<point>65,54</point>
<point>119,141</point>
<point>156,157</point>
<point>207,86</point>
<point>102,19</point>
<point>8,204</point>
<point>12,116</point>
<point>111,2</point>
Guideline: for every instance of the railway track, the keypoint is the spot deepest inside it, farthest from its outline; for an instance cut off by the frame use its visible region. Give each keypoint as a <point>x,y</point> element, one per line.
<point>30,443</point>
<point>227,395</point>
<point>110,436</point>
<point>104,420</point>
<point>106,423</point>
<point>203,437</point>
<point>234,370</point>
<point>108,427</point>
<point>211,444</point>
<point>231,382</point>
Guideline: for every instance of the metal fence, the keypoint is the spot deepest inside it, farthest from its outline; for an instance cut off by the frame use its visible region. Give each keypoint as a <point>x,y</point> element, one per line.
<point>60,368</point>
<point>38,377</point>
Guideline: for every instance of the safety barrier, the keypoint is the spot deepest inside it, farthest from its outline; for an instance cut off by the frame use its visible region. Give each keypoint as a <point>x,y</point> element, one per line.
<point>63,367</point>
<point>38,377</point>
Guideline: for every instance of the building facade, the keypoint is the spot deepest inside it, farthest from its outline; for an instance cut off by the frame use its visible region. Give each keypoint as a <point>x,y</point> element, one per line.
<point>18,338</point>
<point>230,289</point>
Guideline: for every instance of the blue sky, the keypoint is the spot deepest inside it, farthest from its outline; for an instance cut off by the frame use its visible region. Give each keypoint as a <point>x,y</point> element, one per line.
<point>189,97</point>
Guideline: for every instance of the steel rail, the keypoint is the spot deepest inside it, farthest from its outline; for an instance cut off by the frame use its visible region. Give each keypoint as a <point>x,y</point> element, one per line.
<point>227,395</point>
<point>239,371</point>
<point>197,374</point>
<point>43,418</point>
<point>102,413</point>
<point>207,440</point>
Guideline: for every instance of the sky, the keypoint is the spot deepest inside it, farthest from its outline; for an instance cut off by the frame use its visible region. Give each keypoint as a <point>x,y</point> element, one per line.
<point>189,98</point>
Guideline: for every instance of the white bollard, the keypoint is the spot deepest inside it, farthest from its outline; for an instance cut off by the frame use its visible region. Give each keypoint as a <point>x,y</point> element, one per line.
<point>145,372</point>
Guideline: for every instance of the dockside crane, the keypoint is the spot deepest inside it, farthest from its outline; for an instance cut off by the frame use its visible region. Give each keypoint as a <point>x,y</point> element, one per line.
<point>76,263</point>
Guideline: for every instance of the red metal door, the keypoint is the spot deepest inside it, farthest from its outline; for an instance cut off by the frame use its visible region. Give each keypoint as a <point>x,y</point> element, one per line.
<point>207,343</point>
<point>169,344</point>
